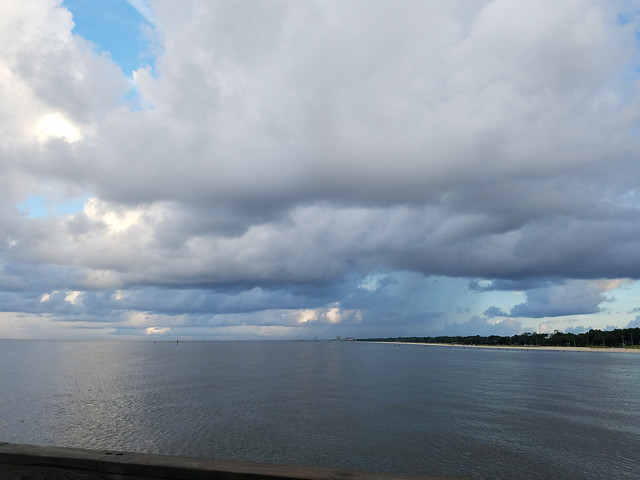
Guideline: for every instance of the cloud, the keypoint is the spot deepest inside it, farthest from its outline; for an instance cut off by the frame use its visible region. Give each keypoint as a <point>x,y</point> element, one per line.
<point>577,329</point>
<point>635,323</point>
<point>333,315</point>
<point>157,330</point>
<point>478,325</point>
<point>495,312</point>
<point>568,298</point>
<point>143,7</point>
<point>284,158</point>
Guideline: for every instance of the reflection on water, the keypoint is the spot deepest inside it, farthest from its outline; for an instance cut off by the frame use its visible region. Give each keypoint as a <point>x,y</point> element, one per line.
<point>408,409</point>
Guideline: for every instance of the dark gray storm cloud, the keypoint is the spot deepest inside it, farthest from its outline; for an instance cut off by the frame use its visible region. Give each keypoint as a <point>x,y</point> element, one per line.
<point>570,298</point>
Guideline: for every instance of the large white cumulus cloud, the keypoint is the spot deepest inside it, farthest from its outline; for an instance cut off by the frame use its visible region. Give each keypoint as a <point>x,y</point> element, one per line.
<point>373,102</point>
<point>279,144</point>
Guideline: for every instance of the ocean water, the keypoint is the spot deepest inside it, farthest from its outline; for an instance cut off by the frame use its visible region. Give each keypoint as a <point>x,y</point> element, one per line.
<point>425,410</point>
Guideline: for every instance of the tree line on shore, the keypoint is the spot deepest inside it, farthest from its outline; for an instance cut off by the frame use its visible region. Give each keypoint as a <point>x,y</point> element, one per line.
<point>620,337</point>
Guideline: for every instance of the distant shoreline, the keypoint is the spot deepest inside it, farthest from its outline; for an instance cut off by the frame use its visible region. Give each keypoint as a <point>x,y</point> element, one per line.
<point>520,347</point>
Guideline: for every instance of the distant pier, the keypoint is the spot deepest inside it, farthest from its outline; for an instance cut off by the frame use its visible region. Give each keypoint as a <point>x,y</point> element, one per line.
<point>30,462</point>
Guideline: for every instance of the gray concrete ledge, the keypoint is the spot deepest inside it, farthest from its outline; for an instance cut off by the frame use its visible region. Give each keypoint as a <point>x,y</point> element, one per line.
<point>30,462</point>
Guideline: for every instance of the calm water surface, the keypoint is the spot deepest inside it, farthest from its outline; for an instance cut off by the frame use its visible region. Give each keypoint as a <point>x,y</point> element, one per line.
<point>451,412</point>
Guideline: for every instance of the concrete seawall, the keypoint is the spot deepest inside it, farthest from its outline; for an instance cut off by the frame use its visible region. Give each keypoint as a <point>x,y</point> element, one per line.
<point>30,462</point>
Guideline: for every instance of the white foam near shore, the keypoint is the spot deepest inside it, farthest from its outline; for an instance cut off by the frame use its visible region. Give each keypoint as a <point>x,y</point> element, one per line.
<point>529,347</point>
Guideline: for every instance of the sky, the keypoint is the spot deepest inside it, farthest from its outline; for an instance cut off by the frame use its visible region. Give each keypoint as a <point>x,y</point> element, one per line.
<point>229,170</point>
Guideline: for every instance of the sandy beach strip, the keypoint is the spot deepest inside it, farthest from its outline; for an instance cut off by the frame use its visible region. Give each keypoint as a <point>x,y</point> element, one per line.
<point>527,348</point>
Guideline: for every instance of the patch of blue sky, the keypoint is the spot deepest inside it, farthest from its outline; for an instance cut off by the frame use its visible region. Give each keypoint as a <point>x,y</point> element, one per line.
<point>38,206</point>
<point>115,27</point>
<point>628,17</point>
<point>623,303</point>
<point>144,8</point>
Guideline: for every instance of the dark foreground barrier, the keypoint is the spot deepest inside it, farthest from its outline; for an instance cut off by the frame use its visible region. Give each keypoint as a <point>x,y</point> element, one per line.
<point>29,462</point>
